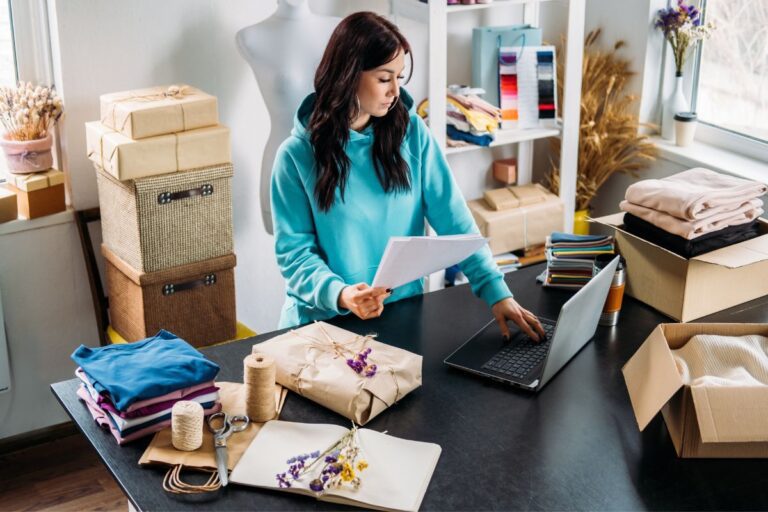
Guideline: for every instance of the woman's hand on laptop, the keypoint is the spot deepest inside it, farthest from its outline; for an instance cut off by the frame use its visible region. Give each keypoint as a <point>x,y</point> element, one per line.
<point>509,309</point>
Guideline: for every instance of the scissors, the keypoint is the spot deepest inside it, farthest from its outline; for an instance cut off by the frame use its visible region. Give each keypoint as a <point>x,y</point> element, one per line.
<point>229,425</point>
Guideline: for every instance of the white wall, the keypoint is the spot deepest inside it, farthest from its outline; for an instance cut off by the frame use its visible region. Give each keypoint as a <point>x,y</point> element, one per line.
<point>48,312</point>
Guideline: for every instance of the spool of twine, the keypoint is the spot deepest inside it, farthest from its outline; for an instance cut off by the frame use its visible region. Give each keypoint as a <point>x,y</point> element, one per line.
<point>259,379</point>
<point>187,425</point>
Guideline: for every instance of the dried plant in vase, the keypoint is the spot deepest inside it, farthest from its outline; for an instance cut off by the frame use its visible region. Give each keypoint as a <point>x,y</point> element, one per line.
<point>609,141</point>
<point>27,114</point>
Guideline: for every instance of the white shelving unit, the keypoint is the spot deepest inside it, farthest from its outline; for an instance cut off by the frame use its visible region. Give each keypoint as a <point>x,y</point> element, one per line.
<point>436,14</point>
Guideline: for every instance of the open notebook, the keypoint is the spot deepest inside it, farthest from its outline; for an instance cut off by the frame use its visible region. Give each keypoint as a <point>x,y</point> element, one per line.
<point>396,478</point>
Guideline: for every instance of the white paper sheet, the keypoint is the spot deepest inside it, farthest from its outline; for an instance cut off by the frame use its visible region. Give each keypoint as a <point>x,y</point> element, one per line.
<point>407,258</point>
<point>397,477</point>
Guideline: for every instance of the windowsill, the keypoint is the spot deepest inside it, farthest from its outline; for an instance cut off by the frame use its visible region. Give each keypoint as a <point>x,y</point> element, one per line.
<point>17,226</point>
<point>713,157</point>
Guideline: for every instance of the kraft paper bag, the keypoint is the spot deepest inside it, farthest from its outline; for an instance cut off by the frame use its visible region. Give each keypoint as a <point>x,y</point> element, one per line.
<point>312,361</point>
<point>232,396</point>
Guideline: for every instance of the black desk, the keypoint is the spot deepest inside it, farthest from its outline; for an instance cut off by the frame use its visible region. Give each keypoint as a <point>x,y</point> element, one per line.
<point>575,445</point>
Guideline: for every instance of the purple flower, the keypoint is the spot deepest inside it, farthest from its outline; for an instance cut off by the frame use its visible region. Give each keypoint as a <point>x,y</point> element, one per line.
<point>282,481</point>
<point>315,454</point>
<point>316,485</point>
<point>359,363</point>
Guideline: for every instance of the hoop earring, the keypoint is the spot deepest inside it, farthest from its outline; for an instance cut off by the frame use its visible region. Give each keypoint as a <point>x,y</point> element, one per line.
<point>357,108</point>
<point>393,103</point>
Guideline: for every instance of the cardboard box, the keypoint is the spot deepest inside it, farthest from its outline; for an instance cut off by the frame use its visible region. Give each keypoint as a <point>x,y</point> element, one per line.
<point>36,180</point>
<point>518,228</point>
<point>505,170</point>
<point>155,111</point>
<point>126,159</point>
<point>8,208</point>
<point>39,203</point>
<point>702,422</point>
<point>686,289</point>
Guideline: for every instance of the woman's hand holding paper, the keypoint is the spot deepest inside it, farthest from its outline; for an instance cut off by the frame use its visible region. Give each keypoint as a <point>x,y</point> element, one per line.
<point>362,300</point>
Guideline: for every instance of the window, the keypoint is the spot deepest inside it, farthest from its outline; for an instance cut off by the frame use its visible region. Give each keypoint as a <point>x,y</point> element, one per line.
<point>7,54</point>
<point>730,75</point>
<point>7,60</point>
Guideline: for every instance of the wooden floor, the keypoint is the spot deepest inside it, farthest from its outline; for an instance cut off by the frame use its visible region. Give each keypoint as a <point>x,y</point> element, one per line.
<point>61,475</point>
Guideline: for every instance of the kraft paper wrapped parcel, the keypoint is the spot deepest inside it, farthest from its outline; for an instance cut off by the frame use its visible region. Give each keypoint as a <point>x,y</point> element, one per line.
<point>153,111</point>
<point>312,361</point>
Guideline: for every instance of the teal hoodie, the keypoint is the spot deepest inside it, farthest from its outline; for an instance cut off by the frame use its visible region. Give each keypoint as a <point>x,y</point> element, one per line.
<point>319,253</point>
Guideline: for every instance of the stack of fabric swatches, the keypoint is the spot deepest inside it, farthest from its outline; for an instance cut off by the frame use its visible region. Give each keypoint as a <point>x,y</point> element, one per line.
<point>508,89</point>
<point>545,71</point>
<point>131,388</point>
<point>570,258</point>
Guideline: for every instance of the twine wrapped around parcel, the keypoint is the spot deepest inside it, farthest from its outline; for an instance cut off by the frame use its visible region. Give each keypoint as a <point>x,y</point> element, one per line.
<point>312,361</point>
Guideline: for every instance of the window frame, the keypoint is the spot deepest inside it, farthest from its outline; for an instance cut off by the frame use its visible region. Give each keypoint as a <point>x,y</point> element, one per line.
<point>710,133</point>
<point>32,41</point>
<point>30,36</point>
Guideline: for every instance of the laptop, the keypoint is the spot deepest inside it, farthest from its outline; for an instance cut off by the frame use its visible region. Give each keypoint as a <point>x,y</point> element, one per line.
<point>525,363</point>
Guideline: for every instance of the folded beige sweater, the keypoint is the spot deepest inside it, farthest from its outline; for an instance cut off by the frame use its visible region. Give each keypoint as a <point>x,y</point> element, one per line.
<point>714,360</point>
<point>690,229</point>
<point>694,194</point>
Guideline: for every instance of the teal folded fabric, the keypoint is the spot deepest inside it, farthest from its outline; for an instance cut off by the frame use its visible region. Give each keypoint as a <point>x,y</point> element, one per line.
<point>145,369</point>
<point>558,237</point>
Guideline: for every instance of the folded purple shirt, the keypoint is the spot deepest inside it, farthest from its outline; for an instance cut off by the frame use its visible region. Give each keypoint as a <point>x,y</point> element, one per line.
<point>156,407</point>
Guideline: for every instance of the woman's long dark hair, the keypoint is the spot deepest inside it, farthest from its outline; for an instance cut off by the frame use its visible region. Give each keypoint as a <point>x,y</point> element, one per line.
<point>361,42</point>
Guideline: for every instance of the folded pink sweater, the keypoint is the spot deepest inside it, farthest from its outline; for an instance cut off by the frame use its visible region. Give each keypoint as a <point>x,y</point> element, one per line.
<point>690,229</point>
<point>695,194</point>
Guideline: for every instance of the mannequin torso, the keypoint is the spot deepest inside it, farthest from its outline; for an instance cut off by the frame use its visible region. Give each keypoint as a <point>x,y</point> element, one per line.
<point>283,51</point>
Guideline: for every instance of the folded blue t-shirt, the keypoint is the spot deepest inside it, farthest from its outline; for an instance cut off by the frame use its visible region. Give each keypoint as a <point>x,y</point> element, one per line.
<point>149,368</point>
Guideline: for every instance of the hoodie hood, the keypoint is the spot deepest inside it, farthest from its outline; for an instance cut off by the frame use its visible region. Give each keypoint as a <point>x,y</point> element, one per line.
<point>301,119</point>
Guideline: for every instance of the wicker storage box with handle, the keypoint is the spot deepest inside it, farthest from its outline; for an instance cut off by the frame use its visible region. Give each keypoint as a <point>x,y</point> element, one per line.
<point>164,221</point>
<point>195,301</point>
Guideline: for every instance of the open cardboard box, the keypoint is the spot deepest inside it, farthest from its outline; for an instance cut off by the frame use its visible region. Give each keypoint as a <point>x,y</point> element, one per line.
<point>685,289</point>
<point>706,422</point>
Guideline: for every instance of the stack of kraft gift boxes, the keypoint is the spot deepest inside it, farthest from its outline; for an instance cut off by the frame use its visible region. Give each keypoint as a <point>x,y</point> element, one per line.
<point>164,174</point>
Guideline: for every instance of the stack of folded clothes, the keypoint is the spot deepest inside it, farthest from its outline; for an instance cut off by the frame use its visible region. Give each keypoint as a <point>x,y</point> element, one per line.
<point>570,258</point>
<point>695,211</point>
<point>131,388</point>
<point>469,119</point>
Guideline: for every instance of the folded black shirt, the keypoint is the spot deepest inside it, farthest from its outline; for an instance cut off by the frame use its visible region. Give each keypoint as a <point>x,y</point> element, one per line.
<point>690,248</point>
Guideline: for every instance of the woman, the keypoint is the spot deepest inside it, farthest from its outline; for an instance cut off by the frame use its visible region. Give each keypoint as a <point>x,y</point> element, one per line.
<point>361,166</point>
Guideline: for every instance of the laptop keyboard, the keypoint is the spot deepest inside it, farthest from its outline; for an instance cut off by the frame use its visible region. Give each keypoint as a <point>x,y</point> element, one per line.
<point>519,358</point>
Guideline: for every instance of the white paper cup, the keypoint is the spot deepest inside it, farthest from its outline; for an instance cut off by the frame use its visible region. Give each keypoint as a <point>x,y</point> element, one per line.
<point>685,128</point>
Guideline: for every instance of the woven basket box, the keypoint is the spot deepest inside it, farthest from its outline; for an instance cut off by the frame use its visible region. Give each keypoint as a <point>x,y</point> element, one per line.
<point>195,302</point>
<point>165,221</point>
